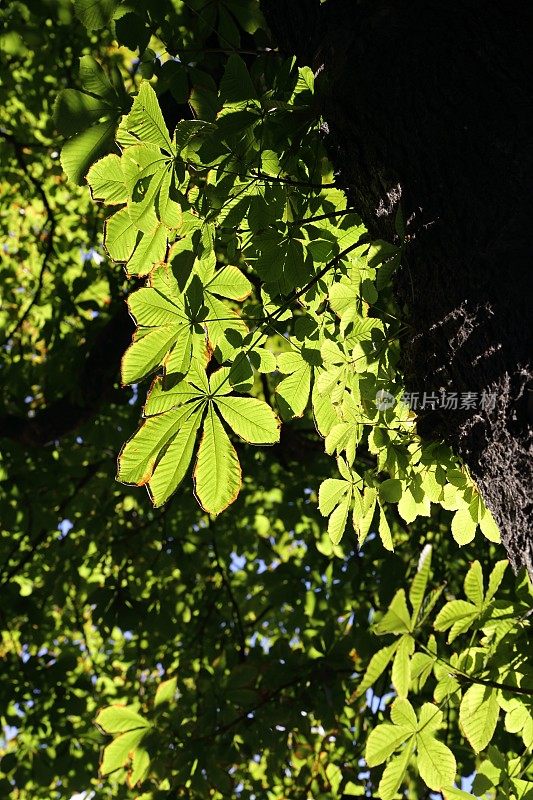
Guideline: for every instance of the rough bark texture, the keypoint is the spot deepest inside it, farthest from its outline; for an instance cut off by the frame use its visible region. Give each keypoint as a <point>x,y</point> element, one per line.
<point>431,104</point>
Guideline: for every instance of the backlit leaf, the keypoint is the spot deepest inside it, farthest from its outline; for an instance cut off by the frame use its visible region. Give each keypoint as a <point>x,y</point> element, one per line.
<point>94,14</point>
<point>120,751</point>
<point>217,474</point>
<point>397,618</point>
<point>394,773</point>
<point>435,761</point>
<point>463,526</point>
<point>337,521</point>
<point>107,180</point>
<point>172,467</point>
<point>138,456</point>
<point>251,419</point>
<point>478,715</point>
<point>145,120</point>
<point>383,740</point>
<point>117,719</point>
<point>120,235</point>
<point>83,149</point>
<point>376,667</point>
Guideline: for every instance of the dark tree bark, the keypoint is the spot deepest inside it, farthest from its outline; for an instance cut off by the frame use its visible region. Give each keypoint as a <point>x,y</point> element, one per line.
<point>431,104</point>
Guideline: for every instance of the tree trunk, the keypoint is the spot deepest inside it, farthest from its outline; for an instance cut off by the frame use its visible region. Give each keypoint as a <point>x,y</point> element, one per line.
<point>431,104</point>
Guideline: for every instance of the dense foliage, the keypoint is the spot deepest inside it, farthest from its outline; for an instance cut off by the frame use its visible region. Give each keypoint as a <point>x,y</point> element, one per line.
<point>325,635</point>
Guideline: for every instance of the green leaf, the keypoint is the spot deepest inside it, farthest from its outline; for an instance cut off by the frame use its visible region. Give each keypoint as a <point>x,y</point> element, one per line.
<point>203,97</point>
<point>463,526</point>
<point>95,14</point>
<point>162,399</point>
<point>168,210</point>
<point>138,456</point>
<point>401,667</point>
<point>236,85</point>
<point>118,753</point>
<point>429,718</point>
<point>132,31</point>
<point>369,506</point>
<point>322,250</point>
<point>413,504</point>
<point>421,668</point>
<point>166,692</point>
<point>147,352</point>
<point>384,530</point>
<point>74,111</point>
<point>117,719</point>
<point>188,130</point>
<point>519,719</point>
<point>478,715</point>
<point>448,687</point>
<point>474,584</point>
<point>219,384</point>
<point>454,611</point>
<point>457,615</point>
<point>217,474</point>
<point>95,81</point>
<point>140,764</point>
<point>435,761</point>
<point>224,326</point>
<point>253,420</point>
<point>418,586</point>
<point>249,17</point>
<point>324,413</point>
<point>343,298</point>
<point>394,773</point>
<point>397,618</point>
<point>338,519</point>
<point>452,793</point>
<point>489,528</point>
<point>293,392</point>
<point>383,740</point>
<point>330,494</point>
<point>172,467</point>
<point>495,579</point>
<point>85,148</point>
<point>120,235</point>
<point>145,120</point>
<point>106,180</point>
<point>263,360</point>
<point>390,491</point>
<point>270,162</point>
<point>281,261</point>
<point>231,283</point>
<point>402,712</point>
<point>143,211</point>
<point>376,667</point>
<point>149,252</point>
<point>144,167</point>
<point>150,308</point>
<point>178,361</point>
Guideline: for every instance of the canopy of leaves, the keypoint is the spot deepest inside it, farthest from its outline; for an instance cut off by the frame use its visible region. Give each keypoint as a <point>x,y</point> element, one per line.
<point>297,607</point>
